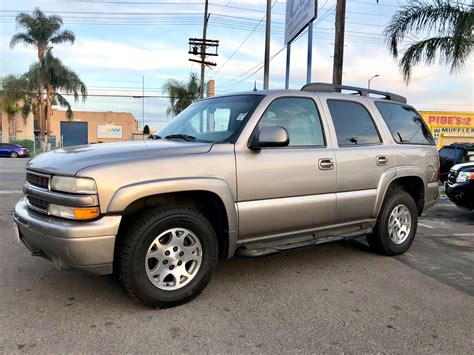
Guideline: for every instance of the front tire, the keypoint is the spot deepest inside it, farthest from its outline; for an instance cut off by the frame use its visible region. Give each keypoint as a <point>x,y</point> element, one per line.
<point>13,155</point>
<point>168,256</point>
<point>396,225</point>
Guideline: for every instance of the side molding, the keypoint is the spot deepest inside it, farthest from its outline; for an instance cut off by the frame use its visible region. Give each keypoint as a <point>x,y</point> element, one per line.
<point>126,195</point>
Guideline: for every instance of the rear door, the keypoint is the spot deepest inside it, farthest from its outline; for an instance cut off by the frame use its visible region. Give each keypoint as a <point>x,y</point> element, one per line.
<point>287,189</point>
<point>361,158</point>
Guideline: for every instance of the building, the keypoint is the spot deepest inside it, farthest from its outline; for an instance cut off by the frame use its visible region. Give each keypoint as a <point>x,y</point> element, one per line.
<point>18,128</point>
<point>450,127</point>
<point>84,128</point>
<point>92,127</point>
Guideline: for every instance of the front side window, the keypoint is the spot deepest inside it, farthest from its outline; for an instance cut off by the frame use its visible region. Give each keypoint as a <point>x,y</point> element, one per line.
<point>405,124</point>
<point>212,120</point>
<point>353,123</point>
<point>299,117</point>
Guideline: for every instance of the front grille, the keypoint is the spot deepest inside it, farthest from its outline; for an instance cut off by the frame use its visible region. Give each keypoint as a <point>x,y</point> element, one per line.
<point>38,204</point>
<point>38,180</point>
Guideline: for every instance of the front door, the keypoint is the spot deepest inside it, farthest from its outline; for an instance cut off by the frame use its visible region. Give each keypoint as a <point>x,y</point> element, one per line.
<point>288,189</point>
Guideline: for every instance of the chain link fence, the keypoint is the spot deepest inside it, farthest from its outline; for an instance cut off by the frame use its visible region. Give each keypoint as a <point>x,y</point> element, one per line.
<point>34,144</point>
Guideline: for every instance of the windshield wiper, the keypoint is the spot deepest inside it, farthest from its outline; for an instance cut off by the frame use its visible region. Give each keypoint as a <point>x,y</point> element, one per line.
<point>184,137</point>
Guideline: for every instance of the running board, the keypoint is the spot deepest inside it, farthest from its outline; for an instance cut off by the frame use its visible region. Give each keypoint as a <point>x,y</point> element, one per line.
<point>272,248</point>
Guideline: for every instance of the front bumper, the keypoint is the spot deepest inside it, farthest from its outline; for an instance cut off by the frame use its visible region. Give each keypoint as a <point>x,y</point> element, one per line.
<point>87,246</point>
<point>461,194</point>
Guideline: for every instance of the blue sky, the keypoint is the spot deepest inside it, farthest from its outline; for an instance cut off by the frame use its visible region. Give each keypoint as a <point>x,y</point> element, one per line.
<point>119,41</point>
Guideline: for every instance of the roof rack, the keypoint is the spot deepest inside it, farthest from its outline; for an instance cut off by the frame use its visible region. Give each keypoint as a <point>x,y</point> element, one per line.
<point>325,87</point>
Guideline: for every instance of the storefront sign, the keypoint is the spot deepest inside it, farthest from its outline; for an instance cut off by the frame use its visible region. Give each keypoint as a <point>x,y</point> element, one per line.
<point>109,131</point>
<point>298,14</point>
<point>449,124</point>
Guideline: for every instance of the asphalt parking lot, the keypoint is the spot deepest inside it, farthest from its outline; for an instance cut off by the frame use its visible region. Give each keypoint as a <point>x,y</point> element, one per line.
<point>334,298</point>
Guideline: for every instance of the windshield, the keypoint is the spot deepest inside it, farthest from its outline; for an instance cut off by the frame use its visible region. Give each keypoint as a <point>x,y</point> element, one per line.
<point>211,120</point>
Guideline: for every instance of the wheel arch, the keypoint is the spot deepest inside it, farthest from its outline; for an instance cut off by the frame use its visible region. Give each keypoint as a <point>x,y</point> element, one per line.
<point>212,197</point>
<point>410,180</point>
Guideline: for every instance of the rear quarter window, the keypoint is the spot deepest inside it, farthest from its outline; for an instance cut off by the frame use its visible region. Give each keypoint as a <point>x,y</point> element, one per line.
<point>405,124</point>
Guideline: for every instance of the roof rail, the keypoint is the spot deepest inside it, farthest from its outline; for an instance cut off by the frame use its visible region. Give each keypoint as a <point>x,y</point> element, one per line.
<point>325,87</point>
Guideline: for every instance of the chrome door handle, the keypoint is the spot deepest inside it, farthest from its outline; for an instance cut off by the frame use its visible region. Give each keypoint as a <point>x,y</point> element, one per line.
<point>325,164</point>
<point>382,160</point>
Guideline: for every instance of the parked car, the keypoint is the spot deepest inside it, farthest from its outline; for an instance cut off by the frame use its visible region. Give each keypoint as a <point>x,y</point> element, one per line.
<point>460,185</point>
<point>13,150</point>
<point>245,174</point>
<point>456,153</point>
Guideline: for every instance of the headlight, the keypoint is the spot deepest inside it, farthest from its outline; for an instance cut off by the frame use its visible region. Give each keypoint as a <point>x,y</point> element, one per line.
<point>73,185</point>
<point>464,176</point>
<point>73,212</point>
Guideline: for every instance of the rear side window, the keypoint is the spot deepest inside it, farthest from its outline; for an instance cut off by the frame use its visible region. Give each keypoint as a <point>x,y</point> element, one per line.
<point>353,123</point>
<point>405,124</point>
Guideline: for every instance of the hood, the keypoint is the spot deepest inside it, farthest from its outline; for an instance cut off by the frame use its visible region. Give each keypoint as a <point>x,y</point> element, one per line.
<point>463,166</point>
<point>68,161</point>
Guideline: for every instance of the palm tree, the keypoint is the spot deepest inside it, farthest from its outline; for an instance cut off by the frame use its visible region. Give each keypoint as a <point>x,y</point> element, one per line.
<point>181,93</point>
<point>55,77</point>
<point>447,26</point>
<point>42,32</point>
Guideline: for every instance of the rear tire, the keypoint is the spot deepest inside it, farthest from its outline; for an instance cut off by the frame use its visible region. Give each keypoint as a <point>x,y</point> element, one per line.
<point>168,256</point>
<point>13,155</point>
<point>396,225</point>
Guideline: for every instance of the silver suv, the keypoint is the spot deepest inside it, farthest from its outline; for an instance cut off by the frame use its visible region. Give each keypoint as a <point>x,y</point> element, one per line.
<point>249,174</point>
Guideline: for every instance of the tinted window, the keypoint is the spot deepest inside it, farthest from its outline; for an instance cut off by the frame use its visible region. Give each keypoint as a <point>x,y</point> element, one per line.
<point>447,153</point>
<point>406,126</point>
<point>300,118</point>
<point>353,123</point>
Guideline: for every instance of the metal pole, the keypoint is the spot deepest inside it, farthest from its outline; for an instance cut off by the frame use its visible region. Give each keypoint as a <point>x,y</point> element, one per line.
<point>266,65</point>
<point>310,52</point>
<point>288,58</point>
<point>143,103</point>
<point>203,48</point>
<point>339,42</point>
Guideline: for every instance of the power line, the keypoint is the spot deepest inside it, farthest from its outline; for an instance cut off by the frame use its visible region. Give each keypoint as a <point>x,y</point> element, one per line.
<point>241,44</point>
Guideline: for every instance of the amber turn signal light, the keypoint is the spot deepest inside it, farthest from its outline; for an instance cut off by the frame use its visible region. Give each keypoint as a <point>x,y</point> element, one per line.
<point>86,213</point>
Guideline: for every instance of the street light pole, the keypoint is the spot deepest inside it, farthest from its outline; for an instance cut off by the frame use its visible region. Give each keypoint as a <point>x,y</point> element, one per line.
<point>368,82</point>
<point>143,102</point>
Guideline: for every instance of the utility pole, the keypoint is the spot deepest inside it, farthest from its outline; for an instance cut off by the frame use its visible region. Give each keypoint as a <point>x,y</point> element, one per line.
<point>266,65</point>
<point>339,42</point>
<point>203,48</point>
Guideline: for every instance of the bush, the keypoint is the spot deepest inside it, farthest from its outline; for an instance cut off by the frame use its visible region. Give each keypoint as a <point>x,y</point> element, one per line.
<point>27,143</point>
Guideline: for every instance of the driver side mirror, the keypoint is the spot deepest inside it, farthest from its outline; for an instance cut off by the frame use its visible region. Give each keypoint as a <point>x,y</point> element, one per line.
<point>274,136</point>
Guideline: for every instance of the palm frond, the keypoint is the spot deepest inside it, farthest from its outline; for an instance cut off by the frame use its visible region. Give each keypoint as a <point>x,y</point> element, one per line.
<point>21,38</point>
<point>64,103</point>
<point>417,16</point>
<point>64,36</point>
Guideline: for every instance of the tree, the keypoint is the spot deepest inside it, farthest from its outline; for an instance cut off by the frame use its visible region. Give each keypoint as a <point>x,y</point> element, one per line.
<point>13,95</point>
<point>54,77</point>
<point>446,26</point>
<point>42,32</point>
<point>146,130</point>
<point>181,93</point>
